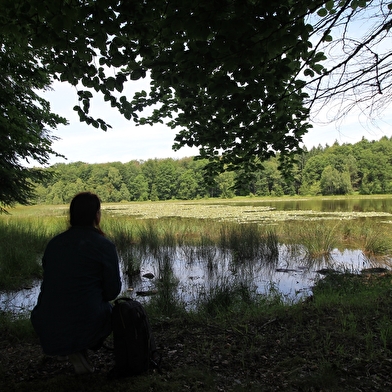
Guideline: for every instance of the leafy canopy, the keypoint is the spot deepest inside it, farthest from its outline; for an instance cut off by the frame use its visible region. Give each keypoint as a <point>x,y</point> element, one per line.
<point>231,75</point>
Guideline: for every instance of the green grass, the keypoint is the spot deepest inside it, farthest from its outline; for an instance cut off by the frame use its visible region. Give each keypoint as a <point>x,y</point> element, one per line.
<point>318,238</point>
<point>376,241</point>
<point>167,302</point>
<point>16,327</point>
<point>22,244</point>
<point>248,241</point>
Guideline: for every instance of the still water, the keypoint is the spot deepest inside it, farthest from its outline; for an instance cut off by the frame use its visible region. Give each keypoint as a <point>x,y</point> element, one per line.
<point>196,273</point>
<point>360,204</point>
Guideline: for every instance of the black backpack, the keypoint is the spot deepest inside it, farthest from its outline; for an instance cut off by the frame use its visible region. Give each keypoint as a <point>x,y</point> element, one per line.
<point>134,344</point>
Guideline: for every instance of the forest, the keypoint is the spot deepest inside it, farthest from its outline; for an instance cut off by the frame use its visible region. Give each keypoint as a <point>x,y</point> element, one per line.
<point>363,168</point>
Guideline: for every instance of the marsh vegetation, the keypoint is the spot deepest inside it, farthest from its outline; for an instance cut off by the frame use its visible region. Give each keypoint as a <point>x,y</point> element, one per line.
<point>220,281</point>
<point>260,244</point>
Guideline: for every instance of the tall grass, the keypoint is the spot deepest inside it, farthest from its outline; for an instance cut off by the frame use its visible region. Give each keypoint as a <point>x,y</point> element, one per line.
<point>376,240</point>
<point>120,230</point>
<point>22,244</point>
<point>248,241</point>
<point>132,259</point>
<point>318,238</point>
<point>17,327</point>
<point>167,301</point>
<point>206,250</point>
<point>226,296</point>
<point>149,236</point>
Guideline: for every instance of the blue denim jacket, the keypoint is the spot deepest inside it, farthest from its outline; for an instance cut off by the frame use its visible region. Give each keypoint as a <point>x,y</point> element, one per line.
<point>81,274</point>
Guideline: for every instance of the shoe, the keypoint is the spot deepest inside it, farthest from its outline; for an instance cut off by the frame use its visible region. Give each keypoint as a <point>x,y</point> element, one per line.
<point>81,363</point>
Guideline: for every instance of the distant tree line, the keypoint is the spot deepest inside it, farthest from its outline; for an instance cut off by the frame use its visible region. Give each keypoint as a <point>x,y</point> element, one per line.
<point>364,168</point>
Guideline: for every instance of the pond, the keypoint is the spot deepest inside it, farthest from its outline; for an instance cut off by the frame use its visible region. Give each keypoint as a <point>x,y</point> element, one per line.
<point>349,204</point>
<point>290,273</point>
<point>197,272</point>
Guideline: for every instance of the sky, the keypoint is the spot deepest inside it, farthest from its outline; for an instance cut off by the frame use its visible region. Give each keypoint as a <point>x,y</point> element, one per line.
<point>123,142</point>
<point>126,141</point>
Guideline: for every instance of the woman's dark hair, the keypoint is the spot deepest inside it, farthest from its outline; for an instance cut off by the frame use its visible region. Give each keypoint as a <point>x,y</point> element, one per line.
<point>83,209</point>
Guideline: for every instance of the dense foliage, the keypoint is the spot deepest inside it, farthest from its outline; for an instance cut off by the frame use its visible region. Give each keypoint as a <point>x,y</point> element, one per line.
<point>365,167</point>
<point>236,77</point>
<point>25,121</point>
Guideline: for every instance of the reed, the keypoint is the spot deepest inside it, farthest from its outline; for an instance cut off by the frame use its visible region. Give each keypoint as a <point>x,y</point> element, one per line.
<point>148,235</point>
<point>317,238</point>
<point>376,240</point>
<point>224,297</point>
<point>22,244</point>
<point>167,301</point>
<point>248,241</point>
<point>206,249</point>
<point>132,259</point>
<point>120,230</point>
<point>169,235</point>
<point>270,245</point>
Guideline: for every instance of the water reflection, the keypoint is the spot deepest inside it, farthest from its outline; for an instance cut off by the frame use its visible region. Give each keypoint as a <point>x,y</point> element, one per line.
<point>382,204</point>
<point>197,272</point>
<point>20,301</point>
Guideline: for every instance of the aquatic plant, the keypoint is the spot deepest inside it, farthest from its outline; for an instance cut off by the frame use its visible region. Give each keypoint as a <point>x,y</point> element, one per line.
<point>248,241</point>
<point>317,238</point>
<point>167,300</point>
<point>22,244</point>
<point>120,231</point>
<point>376,240</point>
<point>132,259</point>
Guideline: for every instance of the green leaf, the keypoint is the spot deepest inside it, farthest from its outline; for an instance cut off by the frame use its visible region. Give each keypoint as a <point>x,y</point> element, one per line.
<point>138,73</point>
<point>110,83</point>
<point>318,68</point>
<point>309,72</point>
<point>319,56</point>
<point>329,5</point>
<point>119,86</point>
<point>222,73</point>
<point>322,12</point>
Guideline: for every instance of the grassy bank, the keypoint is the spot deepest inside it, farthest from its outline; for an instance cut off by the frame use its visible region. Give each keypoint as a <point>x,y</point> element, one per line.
<point>338,340</point>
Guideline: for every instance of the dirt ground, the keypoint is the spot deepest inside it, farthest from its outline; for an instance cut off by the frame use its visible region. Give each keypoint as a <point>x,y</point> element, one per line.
<point>267,355</point>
